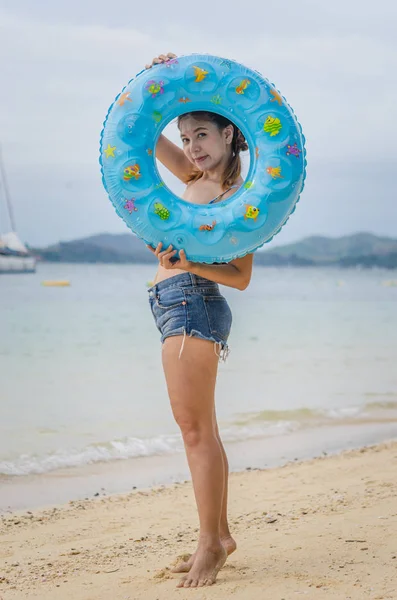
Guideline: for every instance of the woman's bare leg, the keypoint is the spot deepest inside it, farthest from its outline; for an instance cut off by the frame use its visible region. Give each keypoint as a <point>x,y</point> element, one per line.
<point>227,540</point>
<point>226,537</point>
<point>191,382</point>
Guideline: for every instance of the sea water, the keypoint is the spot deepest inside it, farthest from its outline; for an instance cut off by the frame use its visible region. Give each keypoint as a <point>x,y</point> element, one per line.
<point>81,380</point>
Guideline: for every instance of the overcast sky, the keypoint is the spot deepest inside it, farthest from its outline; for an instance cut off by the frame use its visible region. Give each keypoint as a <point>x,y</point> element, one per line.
<point>62,64</point>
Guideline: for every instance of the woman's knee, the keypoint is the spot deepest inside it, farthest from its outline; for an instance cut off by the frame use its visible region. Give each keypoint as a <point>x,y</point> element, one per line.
<point>195,431</point>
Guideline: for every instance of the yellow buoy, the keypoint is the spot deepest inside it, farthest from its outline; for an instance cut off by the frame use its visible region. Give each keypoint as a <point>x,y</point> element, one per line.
<point>56,283</point>
<point>390,283</point>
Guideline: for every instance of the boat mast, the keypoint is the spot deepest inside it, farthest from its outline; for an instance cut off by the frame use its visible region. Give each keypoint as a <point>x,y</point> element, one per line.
<point>3,180</point>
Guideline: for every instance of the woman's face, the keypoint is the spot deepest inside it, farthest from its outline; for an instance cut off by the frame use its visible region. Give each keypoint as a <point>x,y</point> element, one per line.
<point>204,144</point>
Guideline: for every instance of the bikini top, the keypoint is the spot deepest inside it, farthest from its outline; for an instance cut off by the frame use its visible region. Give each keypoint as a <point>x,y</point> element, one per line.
<point>223,193</point>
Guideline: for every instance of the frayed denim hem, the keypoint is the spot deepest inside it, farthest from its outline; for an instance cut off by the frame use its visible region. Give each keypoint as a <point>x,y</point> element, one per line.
<point>221,348</point>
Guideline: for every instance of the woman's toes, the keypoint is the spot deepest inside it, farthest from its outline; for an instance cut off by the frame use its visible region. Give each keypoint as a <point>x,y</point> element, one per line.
<point>181,582</point>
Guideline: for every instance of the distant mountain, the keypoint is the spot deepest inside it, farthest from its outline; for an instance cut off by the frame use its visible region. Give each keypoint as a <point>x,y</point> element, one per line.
<point>363,249</point>
<point>101,248</point>
<point>325,249</point>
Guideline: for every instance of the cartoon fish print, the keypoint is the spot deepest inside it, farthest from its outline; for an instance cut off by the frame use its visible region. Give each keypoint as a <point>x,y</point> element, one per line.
<point>294,150</point>
<point>123,98</point>
<point>248,184</point>
<point>216,99</point>
<point>130,206</point>
<point>251,212</point>
<point>256,152</point>
<point>276,97</point>
<point>200,74</point>
<point>155,87</point>
<point>161,211</point>
<point>157,116</point>
<point>243,86</point>
<point>207,227</point>
<point>184,99</point>
<point>132,172</point>
<point>274,172</point>
<point>149,152</point>
<point>272,125</point>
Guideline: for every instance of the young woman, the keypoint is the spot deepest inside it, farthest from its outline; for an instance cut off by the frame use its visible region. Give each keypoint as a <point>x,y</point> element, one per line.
<point>194,320</point>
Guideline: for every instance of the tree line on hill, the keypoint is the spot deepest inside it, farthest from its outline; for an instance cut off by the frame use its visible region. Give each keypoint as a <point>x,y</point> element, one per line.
<point>361,249</point>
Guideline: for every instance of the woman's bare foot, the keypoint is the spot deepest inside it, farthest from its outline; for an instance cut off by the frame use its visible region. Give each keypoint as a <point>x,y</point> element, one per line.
<point>207,564</point>
<point>185,565</point>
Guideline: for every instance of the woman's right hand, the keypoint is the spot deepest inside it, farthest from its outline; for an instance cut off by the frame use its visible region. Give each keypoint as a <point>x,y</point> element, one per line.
<point>161,59</point>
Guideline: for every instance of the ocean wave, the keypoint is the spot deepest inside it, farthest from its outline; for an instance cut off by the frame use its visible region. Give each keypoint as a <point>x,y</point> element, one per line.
<point>132,447</point>
<point>247,426</point>
<point>317,416</point>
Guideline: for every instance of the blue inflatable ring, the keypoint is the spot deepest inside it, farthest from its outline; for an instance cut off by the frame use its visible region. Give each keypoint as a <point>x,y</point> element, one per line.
<point>208,233</point>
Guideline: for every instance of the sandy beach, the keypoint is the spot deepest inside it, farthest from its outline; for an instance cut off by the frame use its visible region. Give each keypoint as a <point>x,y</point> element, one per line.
<point>323,528</point>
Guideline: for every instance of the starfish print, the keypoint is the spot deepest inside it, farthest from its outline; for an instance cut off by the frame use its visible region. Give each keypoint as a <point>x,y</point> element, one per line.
<point>109,151</point>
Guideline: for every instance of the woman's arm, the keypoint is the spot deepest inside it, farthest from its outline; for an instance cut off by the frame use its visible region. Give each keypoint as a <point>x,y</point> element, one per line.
<point>235,274</point>
<point>173,158</point>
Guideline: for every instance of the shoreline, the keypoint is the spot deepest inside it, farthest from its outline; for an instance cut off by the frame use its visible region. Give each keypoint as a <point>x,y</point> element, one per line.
<point>103,479</point>
<point>323,528</point>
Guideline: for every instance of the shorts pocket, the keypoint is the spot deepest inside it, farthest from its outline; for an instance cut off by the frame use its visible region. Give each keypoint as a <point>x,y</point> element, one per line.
<point>219,316</point>
<point>170,298</point>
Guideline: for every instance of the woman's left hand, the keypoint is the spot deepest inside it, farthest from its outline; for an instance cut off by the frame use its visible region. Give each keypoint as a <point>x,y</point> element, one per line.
<point>164,258</point>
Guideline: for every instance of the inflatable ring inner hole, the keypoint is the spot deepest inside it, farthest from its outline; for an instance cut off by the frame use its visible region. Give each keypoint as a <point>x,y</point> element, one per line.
<point>171,131</point>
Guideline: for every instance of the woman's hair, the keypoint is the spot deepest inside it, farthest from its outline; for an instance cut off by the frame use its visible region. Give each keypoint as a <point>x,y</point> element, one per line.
<point>233,169</point>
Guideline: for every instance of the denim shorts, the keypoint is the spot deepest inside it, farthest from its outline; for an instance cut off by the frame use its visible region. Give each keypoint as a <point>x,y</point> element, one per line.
<point>187,304</point>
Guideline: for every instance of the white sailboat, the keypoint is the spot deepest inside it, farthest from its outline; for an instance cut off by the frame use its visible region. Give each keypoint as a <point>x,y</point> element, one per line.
<point>14,256</point>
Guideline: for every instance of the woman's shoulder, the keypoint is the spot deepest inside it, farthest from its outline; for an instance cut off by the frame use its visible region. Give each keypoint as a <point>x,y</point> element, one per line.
<point>198,192</point>
<point>191,192</point>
